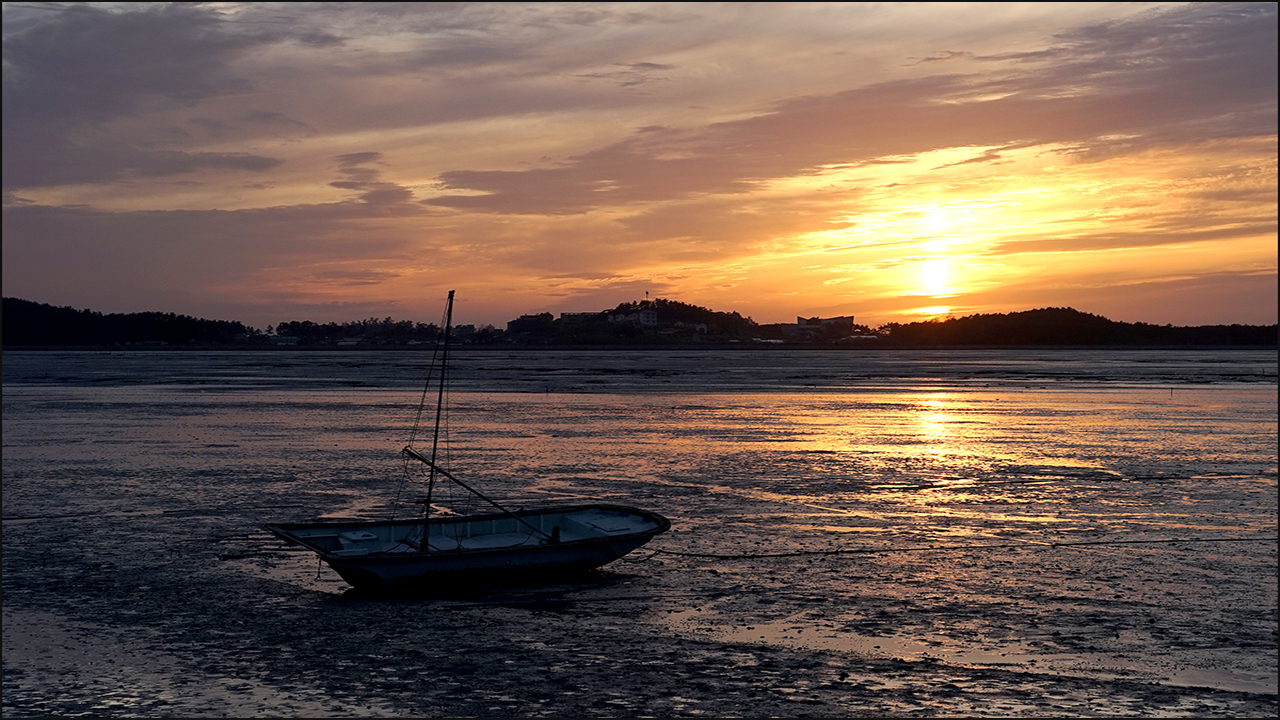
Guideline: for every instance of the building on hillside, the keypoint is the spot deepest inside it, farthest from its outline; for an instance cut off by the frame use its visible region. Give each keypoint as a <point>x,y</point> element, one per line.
<point>645,317</point>
<point>699,328</point>
<point>808,329</point>
<point>542,323</point>
<point>581,318</point>
<point>844,322</point>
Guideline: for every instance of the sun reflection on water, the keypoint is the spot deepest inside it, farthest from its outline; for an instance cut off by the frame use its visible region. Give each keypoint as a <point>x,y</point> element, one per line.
<point>935,422</point>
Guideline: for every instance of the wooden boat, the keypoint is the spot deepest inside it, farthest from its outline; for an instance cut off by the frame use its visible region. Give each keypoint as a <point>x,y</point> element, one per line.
<point>503,545</point>
<point>500,546</point>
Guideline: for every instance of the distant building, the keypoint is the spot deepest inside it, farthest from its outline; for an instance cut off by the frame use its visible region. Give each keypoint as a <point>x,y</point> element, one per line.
<point>542,323</point>
<point>643,318</point>
<point>844,322</point>
<point>808,329</point>
<point>700,328</point>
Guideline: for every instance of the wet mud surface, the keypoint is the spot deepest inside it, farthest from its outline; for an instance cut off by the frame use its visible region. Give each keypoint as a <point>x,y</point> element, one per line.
<point>915,553</point>
<point>193,614</point>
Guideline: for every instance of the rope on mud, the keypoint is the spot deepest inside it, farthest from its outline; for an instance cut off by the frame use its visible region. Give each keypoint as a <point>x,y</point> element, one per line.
<point>938,548</point>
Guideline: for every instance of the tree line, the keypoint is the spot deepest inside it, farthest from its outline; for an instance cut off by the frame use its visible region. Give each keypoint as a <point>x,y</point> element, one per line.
<point>1066,326</point>
<point>31,323</point>
<point>372,330</point>
<point>27,323</point>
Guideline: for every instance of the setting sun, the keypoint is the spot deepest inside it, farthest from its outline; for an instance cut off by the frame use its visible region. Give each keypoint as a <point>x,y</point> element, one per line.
<point>934,277</point>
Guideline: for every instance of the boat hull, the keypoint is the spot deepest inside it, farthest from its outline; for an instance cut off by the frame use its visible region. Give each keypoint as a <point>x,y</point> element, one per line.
<point>500,547</point>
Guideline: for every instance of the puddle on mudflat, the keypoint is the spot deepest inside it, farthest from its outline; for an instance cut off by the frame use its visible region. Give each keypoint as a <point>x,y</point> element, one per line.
<point>1253,682</point>
<point>797,634</point>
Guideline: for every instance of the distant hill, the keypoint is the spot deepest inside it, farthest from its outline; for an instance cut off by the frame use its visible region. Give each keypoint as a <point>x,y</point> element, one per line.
<point>651,322</point>
<point>27,323</point>
<point>31,323</point>
<point>1065,326</point>
<point>672,311</point>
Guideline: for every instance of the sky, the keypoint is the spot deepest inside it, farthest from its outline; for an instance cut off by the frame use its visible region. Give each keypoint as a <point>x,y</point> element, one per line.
<point>896,162</point>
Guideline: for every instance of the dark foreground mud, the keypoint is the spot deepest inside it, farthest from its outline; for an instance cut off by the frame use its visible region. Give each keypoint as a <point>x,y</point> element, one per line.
<point>106,616</point>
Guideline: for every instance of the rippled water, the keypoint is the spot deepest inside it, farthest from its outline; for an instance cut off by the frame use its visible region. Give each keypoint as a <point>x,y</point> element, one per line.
<point>831,427</point>
<point>680,371</point>
<point>834,501</point>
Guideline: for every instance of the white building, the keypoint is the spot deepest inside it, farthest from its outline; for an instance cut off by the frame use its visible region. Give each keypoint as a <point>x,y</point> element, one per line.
<point>644,318</point>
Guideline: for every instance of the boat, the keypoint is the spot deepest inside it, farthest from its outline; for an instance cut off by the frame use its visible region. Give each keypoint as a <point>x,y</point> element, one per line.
<point>449,550</point>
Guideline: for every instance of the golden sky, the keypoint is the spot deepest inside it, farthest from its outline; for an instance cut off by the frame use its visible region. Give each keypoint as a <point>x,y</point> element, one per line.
<point>266,162</point>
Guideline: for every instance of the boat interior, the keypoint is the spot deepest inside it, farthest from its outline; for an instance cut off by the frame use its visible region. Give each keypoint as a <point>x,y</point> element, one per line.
<point>490,532</point>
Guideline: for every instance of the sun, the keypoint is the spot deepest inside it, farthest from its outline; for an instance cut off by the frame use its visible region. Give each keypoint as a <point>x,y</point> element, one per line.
<point>935,277</point>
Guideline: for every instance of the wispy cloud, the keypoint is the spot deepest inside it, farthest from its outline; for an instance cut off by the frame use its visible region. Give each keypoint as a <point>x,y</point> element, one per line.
<point>276,157</point>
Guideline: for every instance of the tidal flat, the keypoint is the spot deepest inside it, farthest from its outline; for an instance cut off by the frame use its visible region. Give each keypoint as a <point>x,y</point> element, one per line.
<point>856,534</point>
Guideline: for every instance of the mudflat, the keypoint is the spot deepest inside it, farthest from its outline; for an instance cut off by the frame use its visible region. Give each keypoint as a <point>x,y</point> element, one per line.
<point>108,616</point>
<point>922,549</point>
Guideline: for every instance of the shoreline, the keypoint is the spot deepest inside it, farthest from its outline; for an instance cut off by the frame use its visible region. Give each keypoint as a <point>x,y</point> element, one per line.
<point>708,347</point>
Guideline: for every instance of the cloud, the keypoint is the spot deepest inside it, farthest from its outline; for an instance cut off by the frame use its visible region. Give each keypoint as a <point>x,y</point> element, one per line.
<point>66,79</point>
<point>1154,235</point>
<point>357,277</point>
<point>945,57</point>
<point>573,151</point>
<point>1249,298</point>
<point>350,161</point>
<point>632,75</point>
<point>1110,89</point>
<point>142,258</point>
<point>374,191</point>
<point>268,117</point>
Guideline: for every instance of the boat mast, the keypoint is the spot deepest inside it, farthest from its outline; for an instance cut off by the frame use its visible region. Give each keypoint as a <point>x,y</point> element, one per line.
<point>435,438</point>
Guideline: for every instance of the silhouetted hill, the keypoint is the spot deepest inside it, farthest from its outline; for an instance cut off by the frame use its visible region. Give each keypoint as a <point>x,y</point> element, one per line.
<point>650,322</point>
<point>674,311</point>
<point>1065,326</point>
<point>31,323</point>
